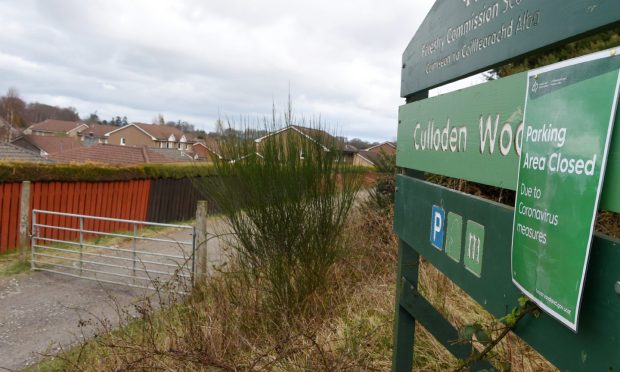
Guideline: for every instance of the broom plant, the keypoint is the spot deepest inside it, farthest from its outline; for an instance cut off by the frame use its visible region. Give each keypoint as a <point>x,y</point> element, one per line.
<point>285,198</point>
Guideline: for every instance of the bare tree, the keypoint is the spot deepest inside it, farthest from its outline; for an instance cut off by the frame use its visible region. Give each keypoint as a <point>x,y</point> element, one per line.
<point>12,108</point>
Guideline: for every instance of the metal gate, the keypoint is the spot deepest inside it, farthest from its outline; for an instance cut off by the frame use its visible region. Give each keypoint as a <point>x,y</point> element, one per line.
<point>115,251</point>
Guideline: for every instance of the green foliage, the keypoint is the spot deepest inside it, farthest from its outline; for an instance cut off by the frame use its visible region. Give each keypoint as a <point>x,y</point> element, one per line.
<point>22,171</point>
<point>286,200</point>
<point>481,334</point>
<point>601,41</point>
<point>381,194</point>
<point>14,267</point>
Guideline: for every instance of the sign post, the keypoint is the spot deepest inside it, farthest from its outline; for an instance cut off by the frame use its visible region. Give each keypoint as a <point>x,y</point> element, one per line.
<point>569,113</point>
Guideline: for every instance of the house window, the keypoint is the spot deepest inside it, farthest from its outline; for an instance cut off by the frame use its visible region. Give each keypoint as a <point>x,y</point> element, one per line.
<point>123,142</point>
<point>301,154</point>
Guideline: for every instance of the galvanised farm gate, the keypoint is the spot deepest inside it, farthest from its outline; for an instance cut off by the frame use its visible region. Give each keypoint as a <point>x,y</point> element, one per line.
<point>547,134</point>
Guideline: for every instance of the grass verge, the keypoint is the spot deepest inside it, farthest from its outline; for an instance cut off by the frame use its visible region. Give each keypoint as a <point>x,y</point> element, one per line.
<point>347,327</point>
<point>11,264</point>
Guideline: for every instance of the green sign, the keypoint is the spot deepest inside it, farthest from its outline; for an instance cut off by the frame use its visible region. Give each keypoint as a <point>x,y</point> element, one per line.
<point>460,37</point>
<point>453,236</point>
<point>570,109</point>
<point>475,134</point>
<point>474,241</point>
<point>597,345</point>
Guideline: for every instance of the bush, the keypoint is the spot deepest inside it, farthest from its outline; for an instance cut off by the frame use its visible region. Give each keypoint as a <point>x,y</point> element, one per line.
<point>286,199</point>
<point>381,193</point>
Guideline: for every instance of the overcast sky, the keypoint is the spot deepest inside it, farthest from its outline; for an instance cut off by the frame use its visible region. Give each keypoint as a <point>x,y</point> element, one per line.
<point>190,59</point>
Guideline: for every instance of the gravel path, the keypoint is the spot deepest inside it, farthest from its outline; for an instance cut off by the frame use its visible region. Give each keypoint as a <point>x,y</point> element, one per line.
<point>40,311</point>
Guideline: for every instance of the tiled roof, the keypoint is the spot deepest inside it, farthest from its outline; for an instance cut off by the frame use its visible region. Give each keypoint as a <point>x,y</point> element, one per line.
<point>176,155</point>
<point>52,144</point>
<point>349,148</point>
<point>371,156</point>
<point>160,131</point>
<point>52,125</point>
<point>192,137</point>
<point>98,130</point>
<point>111,154</point>
<point>382,146</point>
<point>10,152</point>
<point>212,144</point>
<point>318,135</point>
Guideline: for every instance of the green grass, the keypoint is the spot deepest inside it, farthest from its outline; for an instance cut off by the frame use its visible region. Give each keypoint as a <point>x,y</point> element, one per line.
<point>11,264</point>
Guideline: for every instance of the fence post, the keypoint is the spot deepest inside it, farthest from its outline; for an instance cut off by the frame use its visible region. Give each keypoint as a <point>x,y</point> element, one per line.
<point>200,254</point>
<point>24,214</point>
<point>81,243</point>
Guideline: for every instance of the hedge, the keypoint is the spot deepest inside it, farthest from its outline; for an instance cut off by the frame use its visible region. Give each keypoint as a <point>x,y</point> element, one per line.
<point>22,171</point>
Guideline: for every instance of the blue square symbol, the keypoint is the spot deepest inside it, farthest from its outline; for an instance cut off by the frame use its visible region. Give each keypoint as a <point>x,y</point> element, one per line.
<point>438,223</point>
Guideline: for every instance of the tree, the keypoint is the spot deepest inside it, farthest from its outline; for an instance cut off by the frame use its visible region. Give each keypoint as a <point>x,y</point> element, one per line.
<point>601,41</point>
<point>93,118</point>
<point>13,108</point>
<point>361,144</point>
<point>159,119</point>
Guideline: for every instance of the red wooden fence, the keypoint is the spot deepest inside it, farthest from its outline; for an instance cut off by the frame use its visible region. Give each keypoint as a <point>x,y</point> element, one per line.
<point>116,199</point>
<point>9,215</point>
<point>156,200</point>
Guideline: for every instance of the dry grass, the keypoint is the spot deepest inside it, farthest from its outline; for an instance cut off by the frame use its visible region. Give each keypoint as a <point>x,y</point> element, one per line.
<point>346,327</point>
<point>460,309</point>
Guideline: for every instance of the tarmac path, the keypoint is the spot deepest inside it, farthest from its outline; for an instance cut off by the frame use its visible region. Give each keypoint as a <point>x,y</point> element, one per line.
<point>40,312</point>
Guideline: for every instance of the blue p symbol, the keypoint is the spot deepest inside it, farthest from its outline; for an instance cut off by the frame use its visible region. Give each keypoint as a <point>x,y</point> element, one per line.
<point>437,227</point>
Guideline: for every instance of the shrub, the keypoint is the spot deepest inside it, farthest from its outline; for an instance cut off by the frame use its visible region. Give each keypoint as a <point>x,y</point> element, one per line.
<point>381,193</point>
<point>285,199</point>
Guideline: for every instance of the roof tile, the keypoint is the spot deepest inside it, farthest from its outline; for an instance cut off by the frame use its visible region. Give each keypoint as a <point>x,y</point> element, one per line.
<point>112,154</point>
<point>52,125</point>
<point>53,144</point>
<point>10,152</point>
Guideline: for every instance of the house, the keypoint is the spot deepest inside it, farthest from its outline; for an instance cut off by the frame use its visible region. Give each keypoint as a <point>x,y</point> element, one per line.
<point>150,135</point>
<point>375,155</point>
<point>176,156</point>
<point>53,127</point>
<point>10,152</point>
<point>119,154</point>
<point>388,148</point>
<point>96,133</point>
<point>365,158</point>
<point>46,145</point>
<point>322,138</point>
<point>7,131</point>
<point>207,149</point>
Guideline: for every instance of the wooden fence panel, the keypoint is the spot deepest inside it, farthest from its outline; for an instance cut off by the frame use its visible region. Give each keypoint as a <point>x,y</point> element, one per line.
<point>116,199</point>
<point>152,200</point>
<point>175,200</point>
<point>9,215</point>
<point>14,215</point>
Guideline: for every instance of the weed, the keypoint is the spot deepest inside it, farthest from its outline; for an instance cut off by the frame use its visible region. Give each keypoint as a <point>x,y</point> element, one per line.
<point>14,267</point>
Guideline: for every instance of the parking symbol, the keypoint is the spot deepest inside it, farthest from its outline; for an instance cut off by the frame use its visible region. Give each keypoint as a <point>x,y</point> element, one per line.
<point>437,226</point>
